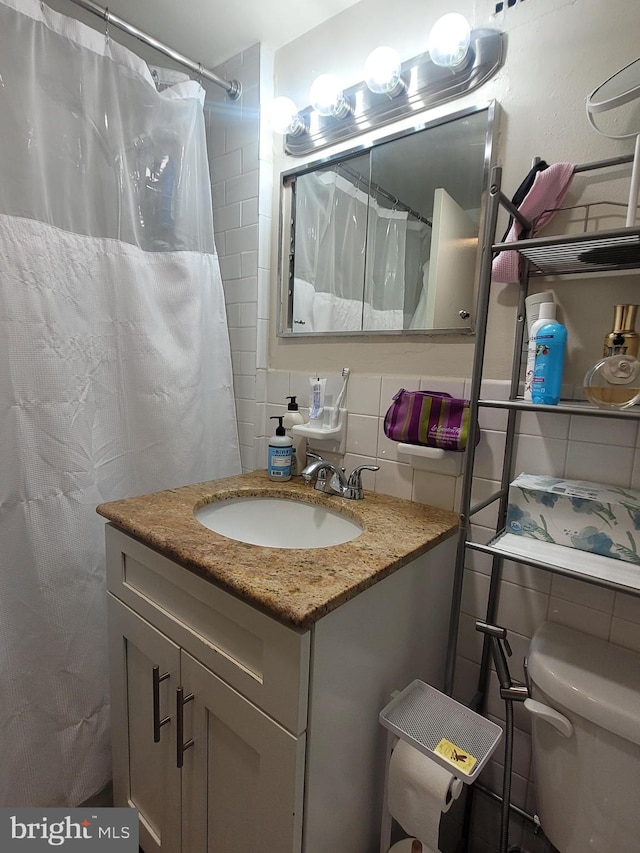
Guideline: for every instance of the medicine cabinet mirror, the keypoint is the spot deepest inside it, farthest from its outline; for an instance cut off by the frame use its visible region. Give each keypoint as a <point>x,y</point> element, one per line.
<point>383,239</point>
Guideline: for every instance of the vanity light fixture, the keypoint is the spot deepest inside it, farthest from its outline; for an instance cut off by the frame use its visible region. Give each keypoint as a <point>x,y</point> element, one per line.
<point>327,97</point>
<point>284,117</point>
<point>383,72</point>
<point>449,40</point>
<point>459,60</point>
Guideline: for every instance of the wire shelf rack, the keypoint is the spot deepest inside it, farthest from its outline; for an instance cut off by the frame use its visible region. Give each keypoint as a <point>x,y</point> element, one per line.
<point>580,253</point>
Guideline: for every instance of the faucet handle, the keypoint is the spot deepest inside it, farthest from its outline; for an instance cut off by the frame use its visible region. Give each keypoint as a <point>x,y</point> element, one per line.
<point>354,476</point>
<point>321,476</point>
<point>354,483</point>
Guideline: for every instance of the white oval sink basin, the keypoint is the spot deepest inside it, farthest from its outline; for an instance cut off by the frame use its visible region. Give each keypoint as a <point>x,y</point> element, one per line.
<point>278,522</point>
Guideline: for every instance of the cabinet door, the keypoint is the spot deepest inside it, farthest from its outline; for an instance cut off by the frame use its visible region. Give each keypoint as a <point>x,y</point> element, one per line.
<point>452,265</point>
<point>145,772</point>
<point>242,779</point>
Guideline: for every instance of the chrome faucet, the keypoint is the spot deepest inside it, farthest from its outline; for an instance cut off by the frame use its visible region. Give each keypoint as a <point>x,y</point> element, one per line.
<point>321,476</point>
<point>338,484</point>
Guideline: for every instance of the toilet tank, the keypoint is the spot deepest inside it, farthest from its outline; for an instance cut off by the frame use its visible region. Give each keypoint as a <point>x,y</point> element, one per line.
<point>587,774</point>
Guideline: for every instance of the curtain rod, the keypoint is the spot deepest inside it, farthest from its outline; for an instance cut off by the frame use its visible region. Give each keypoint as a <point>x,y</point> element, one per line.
<point>233,88</point>
<point>376,188</point>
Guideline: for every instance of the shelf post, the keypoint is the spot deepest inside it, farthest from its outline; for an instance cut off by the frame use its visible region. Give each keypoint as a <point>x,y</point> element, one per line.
<point>482,308</point>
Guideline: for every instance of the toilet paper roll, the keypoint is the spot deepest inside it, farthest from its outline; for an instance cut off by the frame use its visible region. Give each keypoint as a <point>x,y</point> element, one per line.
<point>419,792</point>
<point>409,845</point>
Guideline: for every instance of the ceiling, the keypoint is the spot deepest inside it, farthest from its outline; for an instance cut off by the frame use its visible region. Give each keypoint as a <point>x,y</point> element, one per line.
<point>212,31</point>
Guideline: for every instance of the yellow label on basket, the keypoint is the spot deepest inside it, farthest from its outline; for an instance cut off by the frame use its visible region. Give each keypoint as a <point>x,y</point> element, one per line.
<point>460,758</point>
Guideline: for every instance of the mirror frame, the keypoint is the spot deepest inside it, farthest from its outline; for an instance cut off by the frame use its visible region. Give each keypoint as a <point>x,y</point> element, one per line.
<point>285,248</point>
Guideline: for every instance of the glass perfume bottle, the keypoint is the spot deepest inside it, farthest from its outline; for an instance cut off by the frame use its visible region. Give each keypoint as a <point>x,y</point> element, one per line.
<point>623,338</point>
<point>614,382</point>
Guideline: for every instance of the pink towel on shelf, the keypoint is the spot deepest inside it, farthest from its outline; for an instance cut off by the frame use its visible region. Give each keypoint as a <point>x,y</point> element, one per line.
<point>539,206</point>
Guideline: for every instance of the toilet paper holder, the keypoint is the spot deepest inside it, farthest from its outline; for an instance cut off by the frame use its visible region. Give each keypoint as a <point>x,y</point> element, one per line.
<point>452,735</point>
<point>455,737</point>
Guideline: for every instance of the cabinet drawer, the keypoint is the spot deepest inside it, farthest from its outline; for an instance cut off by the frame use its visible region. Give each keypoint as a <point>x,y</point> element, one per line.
<point>264,660</point>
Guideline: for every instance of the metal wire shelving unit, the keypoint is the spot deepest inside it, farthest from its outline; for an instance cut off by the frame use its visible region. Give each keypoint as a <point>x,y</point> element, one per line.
<point>576,254</point>
<point>581,254</point>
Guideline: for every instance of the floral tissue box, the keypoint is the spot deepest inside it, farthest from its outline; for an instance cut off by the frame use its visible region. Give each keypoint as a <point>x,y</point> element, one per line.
<point>588,516</point>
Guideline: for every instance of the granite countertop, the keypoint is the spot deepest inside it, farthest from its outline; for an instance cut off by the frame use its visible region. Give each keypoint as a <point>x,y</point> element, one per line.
<point>295,586</point>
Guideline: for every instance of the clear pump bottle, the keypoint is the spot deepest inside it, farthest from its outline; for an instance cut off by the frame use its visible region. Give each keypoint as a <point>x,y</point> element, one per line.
<point>291,418</point>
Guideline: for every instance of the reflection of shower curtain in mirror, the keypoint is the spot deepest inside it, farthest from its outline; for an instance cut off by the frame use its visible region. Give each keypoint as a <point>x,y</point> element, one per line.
<point>351,260</point>
<point>385,270</point>
<point>115,370</point>
<point>397,248</point>
<point>418,253</point>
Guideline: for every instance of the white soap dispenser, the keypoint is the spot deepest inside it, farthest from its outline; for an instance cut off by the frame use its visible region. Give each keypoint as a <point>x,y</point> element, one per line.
<point>280,452</point>
<point>290,419</point>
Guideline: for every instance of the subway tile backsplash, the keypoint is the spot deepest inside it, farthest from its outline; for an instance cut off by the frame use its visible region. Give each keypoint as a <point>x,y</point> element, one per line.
<point>368,398</point>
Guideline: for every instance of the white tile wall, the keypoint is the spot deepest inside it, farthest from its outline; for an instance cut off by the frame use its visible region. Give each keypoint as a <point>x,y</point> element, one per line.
<point>435,489</point>
<point>242,229</point>
<point>367,401</point>
<point>603,450</point>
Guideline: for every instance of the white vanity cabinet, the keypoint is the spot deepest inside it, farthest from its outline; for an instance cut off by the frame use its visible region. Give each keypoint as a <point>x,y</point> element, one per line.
<point>248,676</point>
<point>274,759</point>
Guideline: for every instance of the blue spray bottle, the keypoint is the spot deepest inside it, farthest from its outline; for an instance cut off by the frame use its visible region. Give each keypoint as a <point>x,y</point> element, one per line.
<point>551,343</point>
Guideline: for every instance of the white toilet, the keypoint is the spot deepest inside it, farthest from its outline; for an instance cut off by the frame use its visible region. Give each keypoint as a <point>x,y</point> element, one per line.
<point>585,709</point>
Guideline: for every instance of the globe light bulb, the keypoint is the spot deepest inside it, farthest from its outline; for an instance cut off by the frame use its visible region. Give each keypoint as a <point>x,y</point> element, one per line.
<point>382,71</point>
<point>449,40</point>
<point>327,98</point>
<point>284,117</point>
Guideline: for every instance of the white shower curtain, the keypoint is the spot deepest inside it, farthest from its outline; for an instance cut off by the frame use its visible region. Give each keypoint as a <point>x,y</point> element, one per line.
<point>115,370</point>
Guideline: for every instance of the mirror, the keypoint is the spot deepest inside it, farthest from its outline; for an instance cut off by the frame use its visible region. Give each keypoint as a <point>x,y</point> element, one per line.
<point>385,239</point>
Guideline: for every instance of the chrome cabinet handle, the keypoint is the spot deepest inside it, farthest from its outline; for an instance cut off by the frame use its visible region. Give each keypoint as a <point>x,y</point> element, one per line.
<point>181,701</point>
<point>157,722</point>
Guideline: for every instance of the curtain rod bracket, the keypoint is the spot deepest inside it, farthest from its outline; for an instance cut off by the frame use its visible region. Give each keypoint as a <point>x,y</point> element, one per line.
<point>235,89</point>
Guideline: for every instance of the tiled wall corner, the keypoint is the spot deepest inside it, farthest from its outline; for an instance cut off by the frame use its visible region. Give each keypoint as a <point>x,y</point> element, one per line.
<point>264,209</point>
<point>233,136</point>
